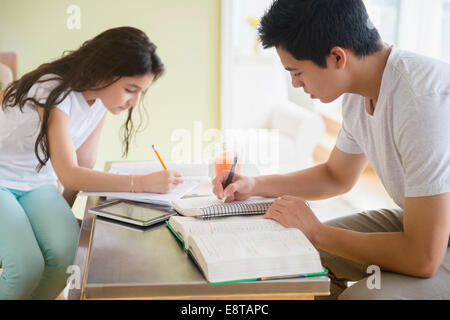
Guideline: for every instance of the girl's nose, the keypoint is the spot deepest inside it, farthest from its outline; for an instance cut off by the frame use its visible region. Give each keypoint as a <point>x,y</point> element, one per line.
<point>134,102</point>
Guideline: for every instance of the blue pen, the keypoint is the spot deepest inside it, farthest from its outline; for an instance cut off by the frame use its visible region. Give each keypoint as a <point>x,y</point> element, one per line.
<point>230,175</point>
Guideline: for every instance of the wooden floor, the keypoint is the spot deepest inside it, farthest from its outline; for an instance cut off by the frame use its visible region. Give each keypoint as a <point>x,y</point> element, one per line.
<point>61,296</point>
<point>368,194</point>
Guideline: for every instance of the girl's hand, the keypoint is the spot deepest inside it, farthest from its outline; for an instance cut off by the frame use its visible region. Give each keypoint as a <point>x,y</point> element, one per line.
<point>159,182</point>
<point>240,188</point>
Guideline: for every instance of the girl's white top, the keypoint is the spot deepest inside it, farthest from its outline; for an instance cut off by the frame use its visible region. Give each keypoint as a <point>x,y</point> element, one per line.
<point>19,131</point>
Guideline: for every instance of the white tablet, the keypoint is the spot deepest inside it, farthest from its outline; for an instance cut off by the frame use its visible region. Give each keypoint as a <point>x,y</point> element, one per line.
<point>141,214</point>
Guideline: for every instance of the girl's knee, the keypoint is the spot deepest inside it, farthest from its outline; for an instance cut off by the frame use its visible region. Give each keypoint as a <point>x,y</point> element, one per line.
<point>61,254</point>
<point>21,274</point>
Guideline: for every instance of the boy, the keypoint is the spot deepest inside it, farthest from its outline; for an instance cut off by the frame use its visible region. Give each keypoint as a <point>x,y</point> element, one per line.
<point>396,114</point>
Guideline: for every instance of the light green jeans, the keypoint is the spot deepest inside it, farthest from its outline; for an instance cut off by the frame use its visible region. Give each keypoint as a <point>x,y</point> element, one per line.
<point>38,240</point>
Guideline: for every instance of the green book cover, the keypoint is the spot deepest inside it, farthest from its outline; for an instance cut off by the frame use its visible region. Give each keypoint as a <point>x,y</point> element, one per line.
<point>176,235</point>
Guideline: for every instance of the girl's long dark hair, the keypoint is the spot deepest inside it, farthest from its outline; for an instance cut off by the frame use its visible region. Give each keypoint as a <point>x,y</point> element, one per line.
<point>113,54</point>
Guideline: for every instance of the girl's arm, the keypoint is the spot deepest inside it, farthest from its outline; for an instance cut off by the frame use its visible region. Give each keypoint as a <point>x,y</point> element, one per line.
<point>75,177</point>
<point>86,156</point>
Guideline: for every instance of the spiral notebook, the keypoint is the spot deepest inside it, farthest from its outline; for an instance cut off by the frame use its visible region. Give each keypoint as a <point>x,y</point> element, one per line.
<point>209,207</point>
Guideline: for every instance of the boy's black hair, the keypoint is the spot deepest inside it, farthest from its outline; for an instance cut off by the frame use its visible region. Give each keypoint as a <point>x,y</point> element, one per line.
<point>309,29</point>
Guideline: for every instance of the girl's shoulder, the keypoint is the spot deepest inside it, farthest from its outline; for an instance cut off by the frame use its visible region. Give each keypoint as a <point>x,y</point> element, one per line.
<point>43,86</point>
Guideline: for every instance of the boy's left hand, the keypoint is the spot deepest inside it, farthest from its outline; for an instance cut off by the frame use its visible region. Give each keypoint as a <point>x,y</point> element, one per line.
<point>294,212</point>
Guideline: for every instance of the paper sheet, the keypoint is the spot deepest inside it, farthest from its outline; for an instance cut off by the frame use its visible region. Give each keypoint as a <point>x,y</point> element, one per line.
<point>190,171</point>
<point>161,199</point>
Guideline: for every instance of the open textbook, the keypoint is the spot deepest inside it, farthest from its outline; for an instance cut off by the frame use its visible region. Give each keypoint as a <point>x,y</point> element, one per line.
<point>234,249</point>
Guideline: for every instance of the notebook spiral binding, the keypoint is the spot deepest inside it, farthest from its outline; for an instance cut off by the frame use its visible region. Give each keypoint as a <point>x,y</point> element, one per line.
<point>232,209</point>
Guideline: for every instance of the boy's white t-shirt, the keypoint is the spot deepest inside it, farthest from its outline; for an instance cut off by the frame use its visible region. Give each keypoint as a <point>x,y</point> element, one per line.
<point>407,138</point>
<point>19,131</point>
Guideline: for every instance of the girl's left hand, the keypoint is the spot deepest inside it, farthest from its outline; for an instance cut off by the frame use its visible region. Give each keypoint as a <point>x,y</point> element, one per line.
<point>293,212</point>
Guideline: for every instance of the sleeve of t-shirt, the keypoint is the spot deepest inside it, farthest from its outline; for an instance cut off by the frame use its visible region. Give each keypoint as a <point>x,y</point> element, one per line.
<point>41,90</point>
<point>345,140</point>
<point>423,140</point>
<point>346,143</point>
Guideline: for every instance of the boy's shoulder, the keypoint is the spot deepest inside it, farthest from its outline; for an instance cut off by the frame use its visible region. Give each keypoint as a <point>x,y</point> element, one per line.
<point>415,75</point>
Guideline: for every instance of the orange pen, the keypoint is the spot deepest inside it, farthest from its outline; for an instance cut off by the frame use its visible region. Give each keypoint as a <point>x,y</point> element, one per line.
<point>157,154</point>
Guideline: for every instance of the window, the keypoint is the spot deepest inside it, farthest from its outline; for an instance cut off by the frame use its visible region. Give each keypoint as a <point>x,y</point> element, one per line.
<point>384,15</point>
<point>445,43</point>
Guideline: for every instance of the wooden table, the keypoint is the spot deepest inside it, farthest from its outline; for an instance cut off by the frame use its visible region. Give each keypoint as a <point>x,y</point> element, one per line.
<point>117,261</point>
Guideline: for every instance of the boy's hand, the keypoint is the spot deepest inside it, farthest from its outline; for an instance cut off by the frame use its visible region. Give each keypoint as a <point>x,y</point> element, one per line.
<point>294,212</point>
<point>240,188</point>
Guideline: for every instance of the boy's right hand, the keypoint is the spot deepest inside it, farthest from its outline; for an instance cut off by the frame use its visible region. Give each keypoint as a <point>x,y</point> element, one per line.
<point>160,182</point>
<point>240,188</point>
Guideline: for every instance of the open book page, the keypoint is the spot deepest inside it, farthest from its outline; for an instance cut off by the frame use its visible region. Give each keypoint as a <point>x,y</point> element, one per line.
<point>191,206</point>
<point>186,226</point>
<point>204,187</point>
<point>234,256</point>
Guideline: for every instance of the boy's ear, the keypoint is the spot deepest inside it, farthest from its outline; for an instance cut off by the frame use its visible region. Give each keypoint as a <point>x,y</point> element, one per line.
<point>339,57</point>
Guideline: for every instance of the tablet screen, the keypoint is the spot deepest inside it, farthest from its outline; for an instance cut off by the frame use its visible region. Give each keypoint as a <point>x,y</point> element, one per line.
<point>133,211</point>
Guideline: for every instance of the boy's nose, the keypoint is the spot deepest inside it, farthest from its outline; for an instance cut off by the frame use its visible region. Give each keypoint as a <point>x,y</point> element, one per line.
<point>297,84</point>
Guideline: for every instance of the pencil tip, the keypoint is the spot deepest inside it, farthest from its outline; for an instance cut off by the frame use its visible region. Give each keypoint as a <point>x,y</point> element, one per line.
<point>153,146</point>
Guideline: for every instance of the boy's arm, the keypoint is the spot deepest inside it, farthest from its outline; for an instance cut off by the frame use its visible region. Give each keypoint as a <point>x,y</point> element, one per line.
<point>418,250</point>
<point>334,177</point>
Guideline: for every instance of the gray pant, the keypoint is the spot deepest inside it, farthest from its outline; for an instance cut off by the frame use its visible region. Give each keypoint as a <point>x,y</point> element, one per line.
<point>392,285</point>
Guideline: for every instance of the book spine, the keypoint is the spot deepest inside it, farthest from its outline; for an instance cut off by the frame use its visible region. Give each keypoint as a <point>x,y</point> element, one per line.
<point>177,236</point>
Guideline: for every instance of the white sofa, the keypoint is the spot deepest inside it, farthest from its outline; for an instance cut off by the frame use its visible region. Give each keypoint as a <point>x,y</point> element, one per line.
<point>285,142</point>
<point>300,130</point>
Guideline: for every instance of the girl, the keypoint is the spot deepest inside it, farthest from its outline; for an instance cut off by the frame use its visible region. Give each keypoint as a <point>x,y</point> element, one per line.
<point>50,124</point>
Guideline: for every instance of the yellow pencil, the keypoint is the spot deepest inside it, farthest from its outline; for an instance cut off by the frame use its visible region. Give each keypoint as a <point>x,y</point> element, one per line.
<point>157,154</point>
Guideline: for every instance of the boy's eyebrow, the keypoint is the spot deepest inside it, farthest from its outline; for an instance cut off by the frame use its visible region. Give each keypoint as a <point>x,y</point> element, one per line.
<point>290,69</point>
